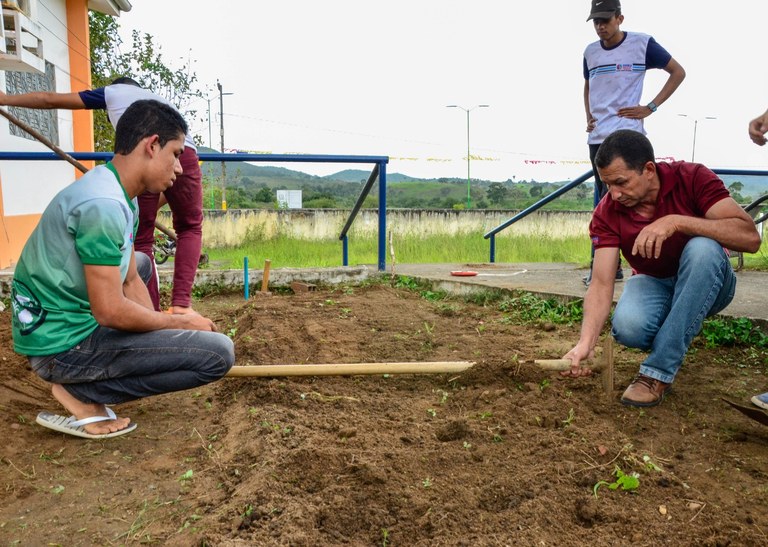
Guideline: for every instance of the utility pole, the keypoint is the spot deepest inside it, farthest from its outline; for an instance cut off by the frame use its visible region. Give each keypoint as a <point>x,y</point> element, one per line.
<point>223,164</point>
<point>469,180</point>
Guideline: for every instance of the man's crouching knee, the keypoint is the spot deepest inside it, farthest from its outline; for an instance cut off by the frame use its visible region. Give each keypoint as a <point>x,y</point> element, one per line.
<point>222,357</point>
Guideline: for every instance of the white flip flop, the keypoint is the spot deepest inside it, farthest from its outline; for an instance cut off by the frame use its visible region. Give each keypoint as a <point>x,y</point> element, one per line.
<point>72,426</point>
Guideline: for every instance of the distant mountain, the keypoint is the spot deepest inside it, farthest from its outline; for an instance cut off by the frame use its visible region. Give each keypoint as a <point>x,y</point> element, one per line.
<point>356,175</point>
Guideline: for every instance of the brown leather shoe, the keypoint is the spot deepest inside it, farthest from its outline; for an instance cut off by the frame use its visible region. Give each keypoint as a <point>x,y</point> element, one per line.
<point>645,391</point>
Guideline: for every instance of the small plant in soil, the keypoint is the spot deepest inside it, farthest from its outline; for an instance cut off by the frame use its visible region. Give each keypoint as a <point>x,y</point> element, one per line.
<point>569,420</point>
<point>732,332</point>
<point>626,482</point>
<point>186,476</point>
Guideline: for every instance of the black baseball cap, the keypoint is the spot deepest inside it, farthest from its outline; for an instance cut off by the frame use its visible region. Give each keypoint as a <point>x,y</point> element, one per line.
<point>604,9</point>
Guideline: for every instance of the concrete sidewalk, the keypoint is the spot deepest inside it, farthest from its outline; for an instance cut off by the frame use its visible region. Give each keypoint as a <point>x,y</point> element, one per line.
<point>565,280</point>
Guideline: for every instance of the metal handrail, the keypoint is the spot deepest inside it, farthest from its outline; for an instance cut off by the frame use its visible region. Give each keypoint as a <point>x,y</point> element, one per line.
<point>379,172</point>
<point>586,176</point>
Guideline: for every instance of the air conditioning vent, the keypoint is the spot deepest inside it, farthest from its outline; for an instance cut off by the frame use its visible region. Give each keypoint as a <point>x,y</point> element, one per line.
<point>21,45</point>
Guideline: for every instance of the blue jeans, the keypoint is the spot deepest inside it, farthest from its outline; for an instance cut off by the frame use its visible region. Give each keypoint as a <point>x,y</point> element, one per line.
<point>112,366</point>
<point>663,315</point>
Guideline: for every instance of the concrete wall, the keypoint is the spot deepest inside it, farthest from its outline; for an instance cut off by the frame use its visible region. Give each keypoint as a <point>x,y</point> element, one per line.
<point>229,228</point>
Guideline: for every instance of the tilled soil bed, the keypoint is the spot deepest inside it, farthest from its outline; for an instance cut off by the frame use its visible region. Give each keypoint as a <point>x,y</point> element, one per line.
<point>501,454</point>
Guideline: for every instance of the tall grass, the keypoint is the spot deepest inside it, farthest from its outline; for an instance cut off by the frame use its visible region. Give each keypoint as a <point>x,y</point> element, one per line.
<point>461,248</point>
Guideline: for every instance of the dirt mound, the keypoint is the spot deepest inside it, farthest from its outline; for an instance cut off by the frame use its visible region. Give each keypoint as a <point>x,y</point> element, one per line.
<point>501,454</point>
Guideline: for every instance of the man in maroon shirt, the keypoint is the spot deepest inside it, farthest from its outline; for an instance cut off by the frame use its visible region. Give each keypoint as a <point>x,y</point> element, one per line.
<point>671,222</point>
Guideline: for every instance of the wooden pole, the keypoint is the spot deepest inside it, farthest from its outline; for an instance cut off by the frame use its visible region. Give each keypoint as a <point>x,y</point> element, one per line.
<point>350,369</point>
<point>265,278</point>
<point>39,136</point>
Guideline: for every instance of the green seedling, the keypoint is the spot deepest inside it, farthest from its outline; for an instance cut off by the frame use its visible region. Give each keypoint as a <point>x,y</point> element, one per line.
<point>466,445</point>
<point>384,537</point>
<point>432,412</point>
<point>649,465</point>
<point>627,483</point>
<point>426,483</point>
<point>186,476</point>
<point>544,384</point>
<point>569,420</point>
<point>485,415</point>
<point>58,489</point>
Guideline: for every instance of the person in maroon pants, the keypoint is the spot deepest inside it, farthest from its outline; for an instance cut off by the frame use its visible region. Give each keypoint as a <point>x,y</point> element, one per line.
<point>185,197</point>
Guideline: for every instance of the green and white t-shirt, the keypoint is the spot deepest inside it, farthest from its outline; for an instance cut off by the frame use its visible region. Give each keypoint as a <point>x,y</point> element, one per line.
<point>91,222</point>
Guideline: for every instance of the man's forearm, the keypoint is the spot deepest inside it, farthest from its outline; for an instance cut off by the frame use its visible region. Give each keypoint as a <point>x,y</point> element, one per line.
<point>43,100</point>
<point>137,292</point>
<point>597,307</point>
<point>676,77</point>
<point>737,234</point>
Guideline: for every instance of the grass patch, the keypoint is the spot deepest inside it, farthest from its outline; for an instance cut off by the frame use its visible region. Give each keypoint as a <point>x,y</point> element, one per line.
<point>292,253</point>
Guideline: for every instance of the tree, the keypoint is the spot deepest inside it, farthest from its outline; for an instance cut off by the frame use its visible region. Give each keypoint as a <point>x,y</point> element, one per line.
<point>535,191</point>
<point>735,188</point>
<point>144,63</point>
<point>496,192</point>
<point>265,194</point>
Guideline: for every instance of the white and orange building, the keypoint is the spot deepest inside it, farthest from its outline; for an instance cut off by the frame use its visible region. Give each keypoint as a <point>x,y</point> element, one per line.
<point>44,46</point>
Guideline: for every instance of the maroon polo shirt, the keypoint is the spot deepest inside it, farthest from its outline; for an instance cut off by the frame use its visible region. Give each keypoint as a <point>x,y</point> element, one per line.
<point>686,189</point>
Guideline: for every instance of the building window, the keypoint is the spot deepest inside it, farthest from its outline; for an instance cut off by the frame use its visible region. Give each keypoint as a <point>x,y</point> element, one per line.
<point>45,121</point>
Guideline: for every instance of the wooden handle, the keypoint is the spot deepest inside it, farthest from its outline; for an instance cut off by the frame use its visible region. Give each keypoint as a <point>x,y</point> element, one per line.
<point>565,364</point>
<point>39,136</point>
<point>349,369</point>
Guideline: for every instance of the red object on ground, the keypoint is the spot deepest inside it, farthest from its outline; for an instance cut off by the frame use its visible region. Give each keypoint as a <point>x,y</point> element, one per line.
<point>463,273</point>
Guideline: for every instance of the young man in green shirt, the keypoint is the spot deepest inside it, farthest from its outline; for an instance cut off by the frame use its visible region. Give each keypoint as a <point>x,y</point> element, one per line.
<point>81,310</point>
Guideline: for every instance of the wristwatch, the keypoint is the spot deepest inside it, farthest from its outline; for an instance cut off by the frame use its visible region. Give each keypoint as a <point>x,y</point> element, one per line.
<point>652,106</point>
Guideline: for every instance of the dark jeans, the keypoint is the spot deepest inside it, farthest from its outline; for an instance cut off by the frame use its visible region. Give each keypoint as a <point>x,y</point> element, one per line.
<point>600,190</point>
<point>663,315</point>
<point>112,366</point>
<point>185,198</point>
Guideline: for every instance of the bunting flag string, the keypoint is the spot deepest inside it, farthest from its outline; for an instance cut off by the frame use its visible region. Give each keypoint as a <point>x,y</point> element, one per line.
<point>473,157</point>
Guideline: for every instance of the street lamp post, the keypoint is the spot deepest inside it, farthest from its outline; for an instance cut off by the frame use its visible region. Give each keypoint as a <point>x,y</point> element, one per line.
<point>223,164</point>
<point>210,140</point>
<point>468,110</point>
<point>695,126</point>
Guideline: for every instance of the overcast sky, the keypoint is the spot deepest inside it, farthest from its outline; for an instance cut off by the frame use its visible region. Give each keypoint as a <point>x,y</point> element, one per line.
<point>374,78</point>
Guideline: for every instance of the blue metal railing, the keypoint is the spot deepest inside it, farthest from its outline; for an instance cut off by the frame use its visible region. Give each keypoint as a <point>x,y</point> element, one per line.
<point>378,173</point>
<point>583,178</point>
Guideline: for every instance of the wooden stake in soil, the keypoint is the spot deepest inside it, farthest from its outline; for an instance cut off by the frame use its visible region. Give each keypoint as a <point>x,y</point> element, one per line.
<point>603,365</point>
<point>265,279</point>
<point>349,369</point>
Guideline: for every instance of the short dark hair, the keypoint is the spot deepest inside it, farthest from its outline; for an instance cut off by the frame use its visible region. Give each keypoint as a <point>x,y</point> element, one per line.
<point>631,146</point>
<point>146,118</point>
<point>125,80</point>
